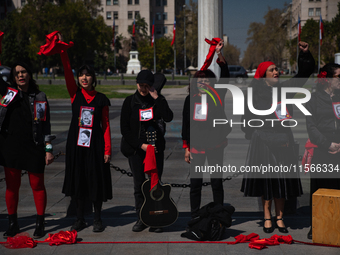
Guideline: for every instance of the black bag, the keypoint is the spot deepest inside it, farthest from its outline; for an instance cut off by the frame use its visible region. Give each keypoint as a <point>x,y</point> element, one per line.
<point>211,222</point>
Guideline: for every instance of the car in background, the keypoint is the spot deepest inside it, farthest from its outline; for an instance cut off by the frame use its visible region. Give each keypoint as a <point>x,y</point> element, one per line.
<point>251,74</point>
<point>4,72</point>
<point>238,73</point>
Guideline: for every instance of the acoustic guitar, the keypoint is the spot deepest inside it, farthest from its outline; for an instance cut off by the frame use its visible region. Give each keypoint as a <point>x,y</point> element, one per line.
<point>159,209</point>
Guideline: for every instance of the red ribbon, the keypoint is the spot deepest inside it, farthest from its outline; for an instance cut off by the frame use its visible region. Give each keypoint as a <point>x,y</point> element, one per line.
<point>63,237</point>
<point>22,240</point>
<point>210,55</point>
<point>150,166</point>
<point>53,45</point>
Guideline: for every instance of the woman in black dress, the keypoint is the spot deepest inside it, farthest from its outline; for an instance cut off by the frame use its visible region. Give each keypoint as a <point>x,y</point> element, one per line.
<point>209,146</point>
<point>88,148</point>
<point>273,144</point>
<point>25,143</point>
<point>323,128</point>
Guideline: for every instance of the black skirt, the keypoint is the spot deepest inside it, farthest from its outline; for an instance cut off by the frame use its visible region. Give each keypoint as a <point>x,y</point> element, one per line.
<point>266,152</point>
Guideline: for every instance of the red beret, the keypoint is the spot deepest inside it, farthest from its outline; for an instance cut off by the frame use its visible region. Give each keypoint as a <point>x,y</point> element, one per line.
<point>262,68</point>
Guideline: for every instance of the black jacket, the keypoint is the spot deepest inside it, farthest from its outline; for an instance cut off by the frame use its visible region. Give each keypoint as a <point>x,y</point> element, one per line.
<point>130,126</point>
<point>323,126</point>
<point>262,97</point>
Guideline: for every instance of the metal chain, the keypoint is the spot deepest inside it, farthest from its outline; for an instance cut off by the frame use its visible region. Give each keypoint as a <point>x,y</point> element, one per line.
<point>175,185</point>
<point>60,153</point>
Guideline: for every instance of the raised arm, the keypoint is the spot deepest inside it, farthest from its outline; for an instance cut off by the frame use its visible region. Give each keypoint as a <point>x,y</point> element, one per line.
<point>70,82</point>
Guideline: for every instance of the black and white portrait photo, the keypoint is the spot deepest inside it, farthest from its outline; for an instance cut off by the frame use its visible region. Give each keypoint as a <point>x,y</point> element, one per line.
<point>86,116</point>
<point>198,114</point>
<point>84,137</point>
<point>40,110</point>
<point>8,97</point>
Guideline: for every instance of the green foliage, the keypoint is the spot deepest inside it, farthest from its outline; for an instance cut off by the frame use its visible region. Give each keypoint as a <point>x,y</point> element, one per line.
<point>164,54</point>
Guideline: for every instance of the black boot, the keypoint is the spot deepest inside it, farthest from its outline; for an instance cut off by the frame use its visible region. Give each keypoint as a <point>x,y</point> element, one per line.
<point>13,227</point>
<point>40,227</point>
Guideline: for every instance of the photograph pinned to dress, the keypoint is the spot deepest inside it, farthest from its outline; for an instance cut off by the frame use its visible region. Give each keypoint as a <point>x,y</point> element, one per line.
<point>84,137</point>
<point>10,94</point>
<point>86,116</point>
<point>40,110</point>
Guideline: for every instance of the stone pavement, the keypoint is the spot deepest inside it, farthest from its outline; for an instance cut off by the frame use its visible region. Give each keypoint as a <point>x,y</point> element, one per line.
<point>119,216</point>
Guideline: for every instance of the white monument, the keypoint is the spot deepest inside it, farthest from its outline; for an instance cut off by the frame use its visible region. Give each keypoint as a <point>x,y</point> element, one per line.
<point>210,25</point>
<point>133,66</point>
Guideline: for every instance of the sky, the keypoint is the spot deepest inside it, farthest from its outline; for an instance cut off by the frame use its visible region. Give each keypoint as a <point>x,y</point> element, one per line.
<point>238,14</point>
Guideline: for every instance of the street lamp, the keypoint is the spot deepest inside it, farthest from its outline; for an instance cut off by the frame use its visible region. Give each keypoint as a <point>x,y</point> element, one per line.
<point>185,54</point>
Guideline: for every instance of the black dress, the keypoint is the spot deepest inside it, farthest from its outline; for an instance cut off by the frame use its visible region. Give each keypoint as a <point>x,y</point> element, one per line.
<point>273,144</point>
<point>17,147</point>
<point>86,174</point>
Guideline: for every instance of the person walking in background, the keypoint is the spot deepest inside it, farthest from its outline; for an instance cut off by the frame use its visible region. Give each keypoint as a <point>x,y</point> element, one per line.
<point>25,144</point>
<point>273,144</point>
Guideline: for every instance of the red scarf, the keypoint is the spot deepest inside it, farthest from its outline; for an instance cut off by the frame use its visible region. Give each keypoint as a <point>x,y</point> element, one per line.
<point>53,45</point>
<point>308,155</point>
<point>262,68</point>
<point>150,166</point>
<point>211,52</point>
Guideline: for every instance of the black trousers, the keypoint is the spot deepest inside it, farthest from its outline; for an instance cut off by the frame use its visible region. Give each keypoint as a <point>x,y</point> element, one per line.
<point>137,169</point>
<point>213,157</point>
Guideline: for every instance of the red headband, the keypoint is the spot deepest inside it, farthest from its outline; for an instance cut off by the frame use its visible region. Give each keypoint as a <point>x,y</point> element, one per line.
<point>262,68</point>
<point>210,55</point>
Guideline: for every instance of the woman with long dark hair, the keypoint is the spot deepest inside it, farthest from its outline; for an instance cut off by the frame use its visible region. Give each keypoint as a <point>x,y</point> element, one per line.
<point>25,142</point>
<point>87,173</point>
<point>323,128</point>
<point>271,143</point>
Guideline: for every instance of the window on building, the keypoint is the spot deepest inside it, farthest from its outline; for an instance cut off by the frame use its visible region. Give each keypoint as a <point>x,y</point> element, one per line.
<point>318,0</point>
<point>129,15</point>
<point>165,30</point>
<point>165,16</point>
<point>129,2</point>
<point>136,14</point>
<point>158,16</point>
<point>136,2</point>
<point>317,11</point>
<point>115,2</point>
<point>158,30</point>
<point>115,15</point>
<point>108,15</point>
<point>108,2</point>
<point>311,12</point>
<point>158,3</point>
<point>165,2</point>
<point>116,30</point>
<point>311,0</point>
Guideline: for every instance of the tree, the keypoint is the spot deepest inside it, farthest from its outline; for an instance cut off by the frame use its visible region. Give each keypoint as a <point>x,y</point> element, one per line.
<point>232,54</point>
<point>164,54</point>
<point>266,41</point>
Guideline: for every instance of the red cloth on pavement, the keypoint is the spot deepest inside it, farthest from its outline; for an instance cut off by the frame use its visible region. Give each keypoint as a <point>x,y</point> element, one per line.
<point>150,166</point>
<point>22,240</point>
<point>53,45</point>
<point>62,237</point>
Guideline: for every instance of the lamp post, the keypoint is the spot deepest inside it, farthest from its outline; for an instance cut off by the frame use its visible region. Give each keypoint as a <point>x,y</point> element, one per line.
<point>185,53</point>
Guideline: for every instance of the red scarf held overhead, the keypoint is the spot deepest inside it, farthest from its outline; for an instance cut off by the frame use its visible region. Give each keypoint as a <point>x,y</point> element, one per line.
<point>211,52</point>
<point>262,68</point>
<point>53,45</point>
<point>150,166</point>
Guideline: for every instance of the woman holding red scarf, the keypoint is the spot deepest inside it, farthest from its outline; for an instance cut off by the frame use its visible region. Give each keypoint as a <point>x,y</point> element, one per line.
<point>273,144</point>
<point>88,147</point>
<point>323,128</point>
<point>25,143</point>
<point>194,122</point>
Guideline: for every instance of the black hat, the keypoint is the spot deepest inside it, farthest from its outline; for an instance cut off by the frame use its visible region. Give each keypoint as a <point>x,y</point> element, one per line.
<point>145,76</point>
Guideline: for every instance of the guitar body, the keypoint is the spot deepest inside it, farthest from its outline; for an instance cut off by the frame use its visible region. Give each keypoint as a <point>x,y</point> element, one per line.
<point>158,210</point>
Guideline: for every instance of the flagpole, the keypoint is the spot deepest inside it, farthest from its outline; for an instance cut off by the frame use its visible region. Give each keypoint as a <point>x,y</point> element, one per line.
<point>154,56</point>
<point>175,59</point>
<point>297,55</point>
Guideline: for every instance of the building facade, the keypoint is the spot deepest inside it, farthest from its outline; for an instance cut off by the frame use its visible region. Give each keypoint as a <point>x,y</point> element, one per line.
<point>312,9</point>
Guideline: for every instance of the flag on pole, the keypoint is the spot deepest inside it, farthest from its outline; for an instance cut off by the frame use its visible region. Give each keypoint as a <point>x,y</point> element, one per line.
<point>113,33</point>
<point>134,28</point>
<point>153,33</point>
<point>299,28</point>
<point>321,30</point>
<point>174,33</point>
